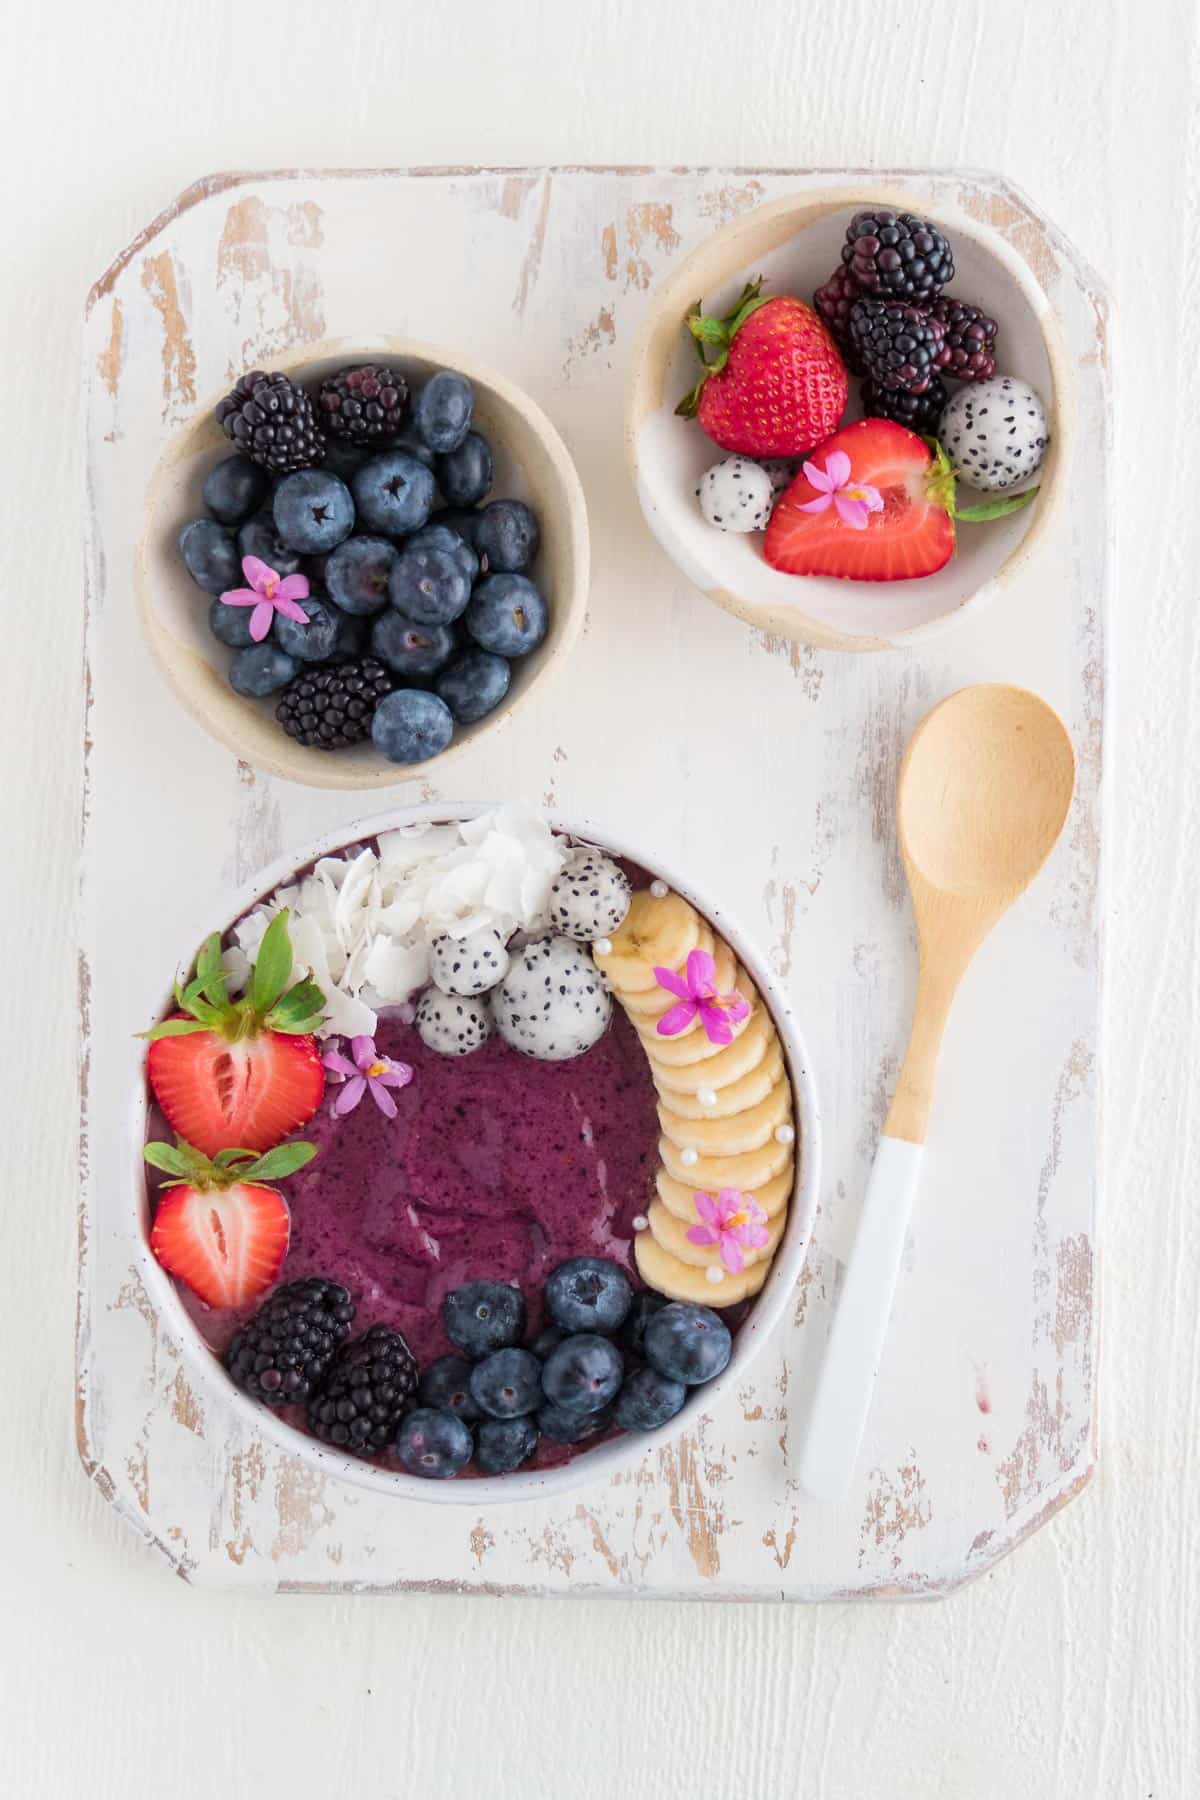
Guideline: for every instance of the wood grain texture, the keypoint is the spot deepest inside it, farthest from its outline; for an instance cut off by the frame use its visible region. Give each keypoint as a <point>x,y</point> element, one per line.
<point>1064,1674</point>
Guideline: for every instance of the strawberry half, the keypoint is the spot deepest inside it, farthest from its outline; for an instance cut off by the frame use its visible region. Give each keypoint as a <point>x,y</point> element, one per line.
<point>240,1072</point>
<point>217,1228</point>
<point>775,384</point>
<point>911,533</point>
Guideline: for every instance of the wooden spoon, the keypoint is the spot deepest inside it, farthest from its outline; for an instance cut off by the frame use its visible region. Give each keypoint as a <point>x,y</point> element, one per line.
<point>983,795</point>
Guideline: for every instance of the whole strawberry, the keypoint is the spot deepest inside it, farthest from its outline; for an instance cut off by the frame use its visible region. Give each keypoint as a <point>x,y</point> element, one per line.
<point>774,383</point>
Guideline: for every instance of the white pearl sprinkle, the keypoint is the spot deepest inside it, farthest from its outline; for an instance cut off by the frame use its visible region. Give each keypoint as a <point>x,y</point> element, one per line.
<point>603,946</point>
<point>640,1222</point>
<point>659,889</point>
<point>688,1157</point>
<point>714,1274</point>
<point>785,1134</point>
<point>707,1096</point>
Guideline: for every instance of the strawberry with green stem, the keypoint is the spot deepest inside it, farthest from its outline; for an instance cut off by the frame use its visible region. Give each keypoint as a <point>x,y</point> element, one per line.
<point>218,1228</point>
<point>242,1072</point>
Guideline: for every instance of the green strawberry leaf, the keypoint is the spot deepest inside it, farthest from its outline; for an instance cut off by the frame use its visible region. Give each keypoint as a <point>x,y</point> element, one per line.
<point>272,966</point>
<point>210,975</point>
<point>995,509</point>
<point>224,1158</point>
<point>173,1028</point>
<point>171,1158</point>
<point>285,1159</point>
<point>301,1009</point>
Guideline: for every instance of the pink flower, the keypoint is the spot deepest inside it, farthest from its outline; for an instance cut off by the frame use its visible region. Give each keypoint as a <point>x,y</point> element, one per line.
<point>834,488</point>
<point>367,1070</point>
<point>698,997</point>
<point>268,594</point>
<point>731,1219</point>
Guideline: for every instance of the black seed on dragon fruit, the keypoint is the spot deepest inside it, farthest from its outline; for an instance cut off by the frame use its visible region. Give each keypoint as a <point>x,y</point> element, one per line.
<point>589,897</point>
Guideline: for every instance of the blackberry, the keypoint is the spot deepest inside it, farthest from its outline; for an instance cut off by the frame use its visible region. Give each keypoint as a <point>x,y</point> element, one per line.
<point>364,405</point>
<point>896,344</point>
<point>331,708</point>
<point>282,1354</point>
<point>920,412</point>
<point>833,301</point>
<point>363,1397</point>
<point>897,255</point>
<point>271,421</point>
<point>968,349</point>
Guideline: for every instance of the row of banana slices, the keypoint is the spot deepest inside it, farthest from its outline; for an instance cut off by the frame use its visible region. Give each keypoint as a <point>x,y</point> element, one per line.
<point>725,1112</point>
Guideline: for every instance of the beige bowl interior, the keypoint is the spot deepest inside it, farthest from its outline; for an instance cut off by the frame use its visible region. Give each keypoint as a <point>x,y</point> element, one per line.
<point>532,464</point>
<point>795,244</point>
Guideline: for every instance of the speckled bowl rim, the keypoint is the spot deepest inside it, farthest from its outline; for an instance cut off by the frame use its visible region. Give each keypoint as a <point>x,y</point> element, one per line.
<point>719,257</point>
<point>623,1453</point>
<point>221,712</point>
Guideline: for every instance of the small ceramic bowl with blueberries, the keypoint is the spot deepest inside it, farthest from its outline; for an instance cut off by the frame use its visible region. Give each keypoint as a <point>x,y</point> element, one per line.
<point>358,561</point>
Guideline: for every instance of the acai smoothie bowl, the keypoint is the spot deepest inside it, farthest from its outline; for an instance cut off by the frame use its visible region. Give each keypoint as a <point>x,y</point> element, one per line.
<point>481,1154</point>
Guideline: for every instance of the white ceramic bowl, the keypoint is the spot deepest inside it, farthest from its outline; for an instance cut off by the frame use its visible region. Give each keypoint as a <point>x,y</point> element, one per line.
<point>795,243</point>
<point>532,464</point>
<point>619,1453</point>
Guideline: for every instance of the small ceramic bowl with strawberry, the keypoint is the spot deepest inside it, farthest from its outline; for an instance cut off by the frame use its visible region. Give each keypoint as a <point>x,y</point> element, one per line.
<point>847,417</point>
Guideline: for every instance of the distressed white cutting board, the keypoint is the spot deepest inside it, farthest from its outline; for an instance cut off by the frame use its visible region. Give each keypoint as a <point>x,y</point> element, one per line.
<point>767,769</point>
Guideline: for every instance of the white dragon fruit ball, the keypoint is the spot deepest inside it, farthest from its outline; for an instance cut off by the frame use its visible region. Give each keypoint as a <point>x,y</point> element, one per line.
<point>736,495</point>
<point>469,965</point>
<point>589,896</point>
<point>552,1004</point>
<point>452,1024</point>
<point>994,433</point>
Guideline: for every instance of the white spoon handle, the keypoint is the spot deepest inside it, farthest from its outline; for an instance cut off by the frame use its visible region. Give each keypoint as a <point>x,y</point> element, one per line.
<point>847,1378</point>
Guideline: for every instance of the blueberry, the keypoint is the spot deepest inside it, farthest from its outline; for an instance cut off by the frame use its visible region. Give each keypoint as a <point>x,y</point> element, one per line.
<point>507,1383</point>
<point>438,536</point>
<point>258,537</point>
<point>474,686</point>
<point>410,726</point>
<point>351,637</point>
<point>507,615</point>
<point>261,670</point>
<point>230,624</point>
<point>564,1427</point>
<point>234,489</point>
<point>356,574</point>
<point>429,585</point>
<point>633,1331</point>
<point>465,474</point>
<point>442,411</point>
<point>433,1443</point>
<point>463,521</point>
<point>508,536</point>
<point>446,1384</point>
<point>583,1373</point>
<point>394,493</point>
<point>409,648</point>
<point>210,556</point>
<point>344,459</point>
<point>648,1400</point>
<point>483,1316</point>
<point>546,1340</point>
<point>687,1343</point>
<point>502,1445</point>
<point>313,510</point>
<point>588,1293</point>
<point>318,640</point>
<point>407,440</point>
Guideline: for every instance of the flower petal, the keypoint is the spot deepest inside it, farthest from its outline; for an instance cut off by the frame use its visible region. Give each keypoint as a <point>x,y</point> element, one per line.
<point>240,597</point>
<point>818,478</point>
<point>870,496</point>
<point>736,1009</point>
<point>381,1097</point>
<point>338,1065</point>
<point>701,974</point>
<point>821,504</point>
<point>702,1234</point>
<point>731,1255</point>
<point>674,984</point>
<point>257,572</point>
<point>677,1020</point>
<point>851,512</point>
<point>397,1075</point>
<point>706,1208</point>
<point>362,1049</point>
<point>260,620</point>
<point>293,587</point>
<point>837,467</point>
<point>350,1096</point>
<point>291,609</point>
<point>717,1028</point>
<point>753,1236</point>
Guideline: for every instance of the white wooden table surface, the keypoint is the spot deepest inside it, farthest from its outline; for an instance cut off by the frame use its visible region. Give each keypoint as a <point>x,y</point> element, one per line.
<point>1063,1672</point>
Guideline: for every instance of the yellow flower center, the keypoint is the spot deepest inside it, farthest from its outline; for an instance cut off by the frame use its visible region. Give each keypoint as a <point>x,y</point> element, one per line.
<point>378,1067</point>
<point>736,1219</point>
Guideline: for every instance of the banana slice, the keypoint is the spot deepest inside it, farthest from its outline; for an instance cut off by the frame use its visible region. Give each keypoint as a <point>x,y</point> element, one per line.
<point>750,1170</point>
<point>683,1281</point>
<point>679,1196</point>
<point>672,1234</point>
<point>691,1062</point>
<point>654,932</point>
<point>735,1097</point>
<point>645,1008</point>
<point>733,1135</point>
